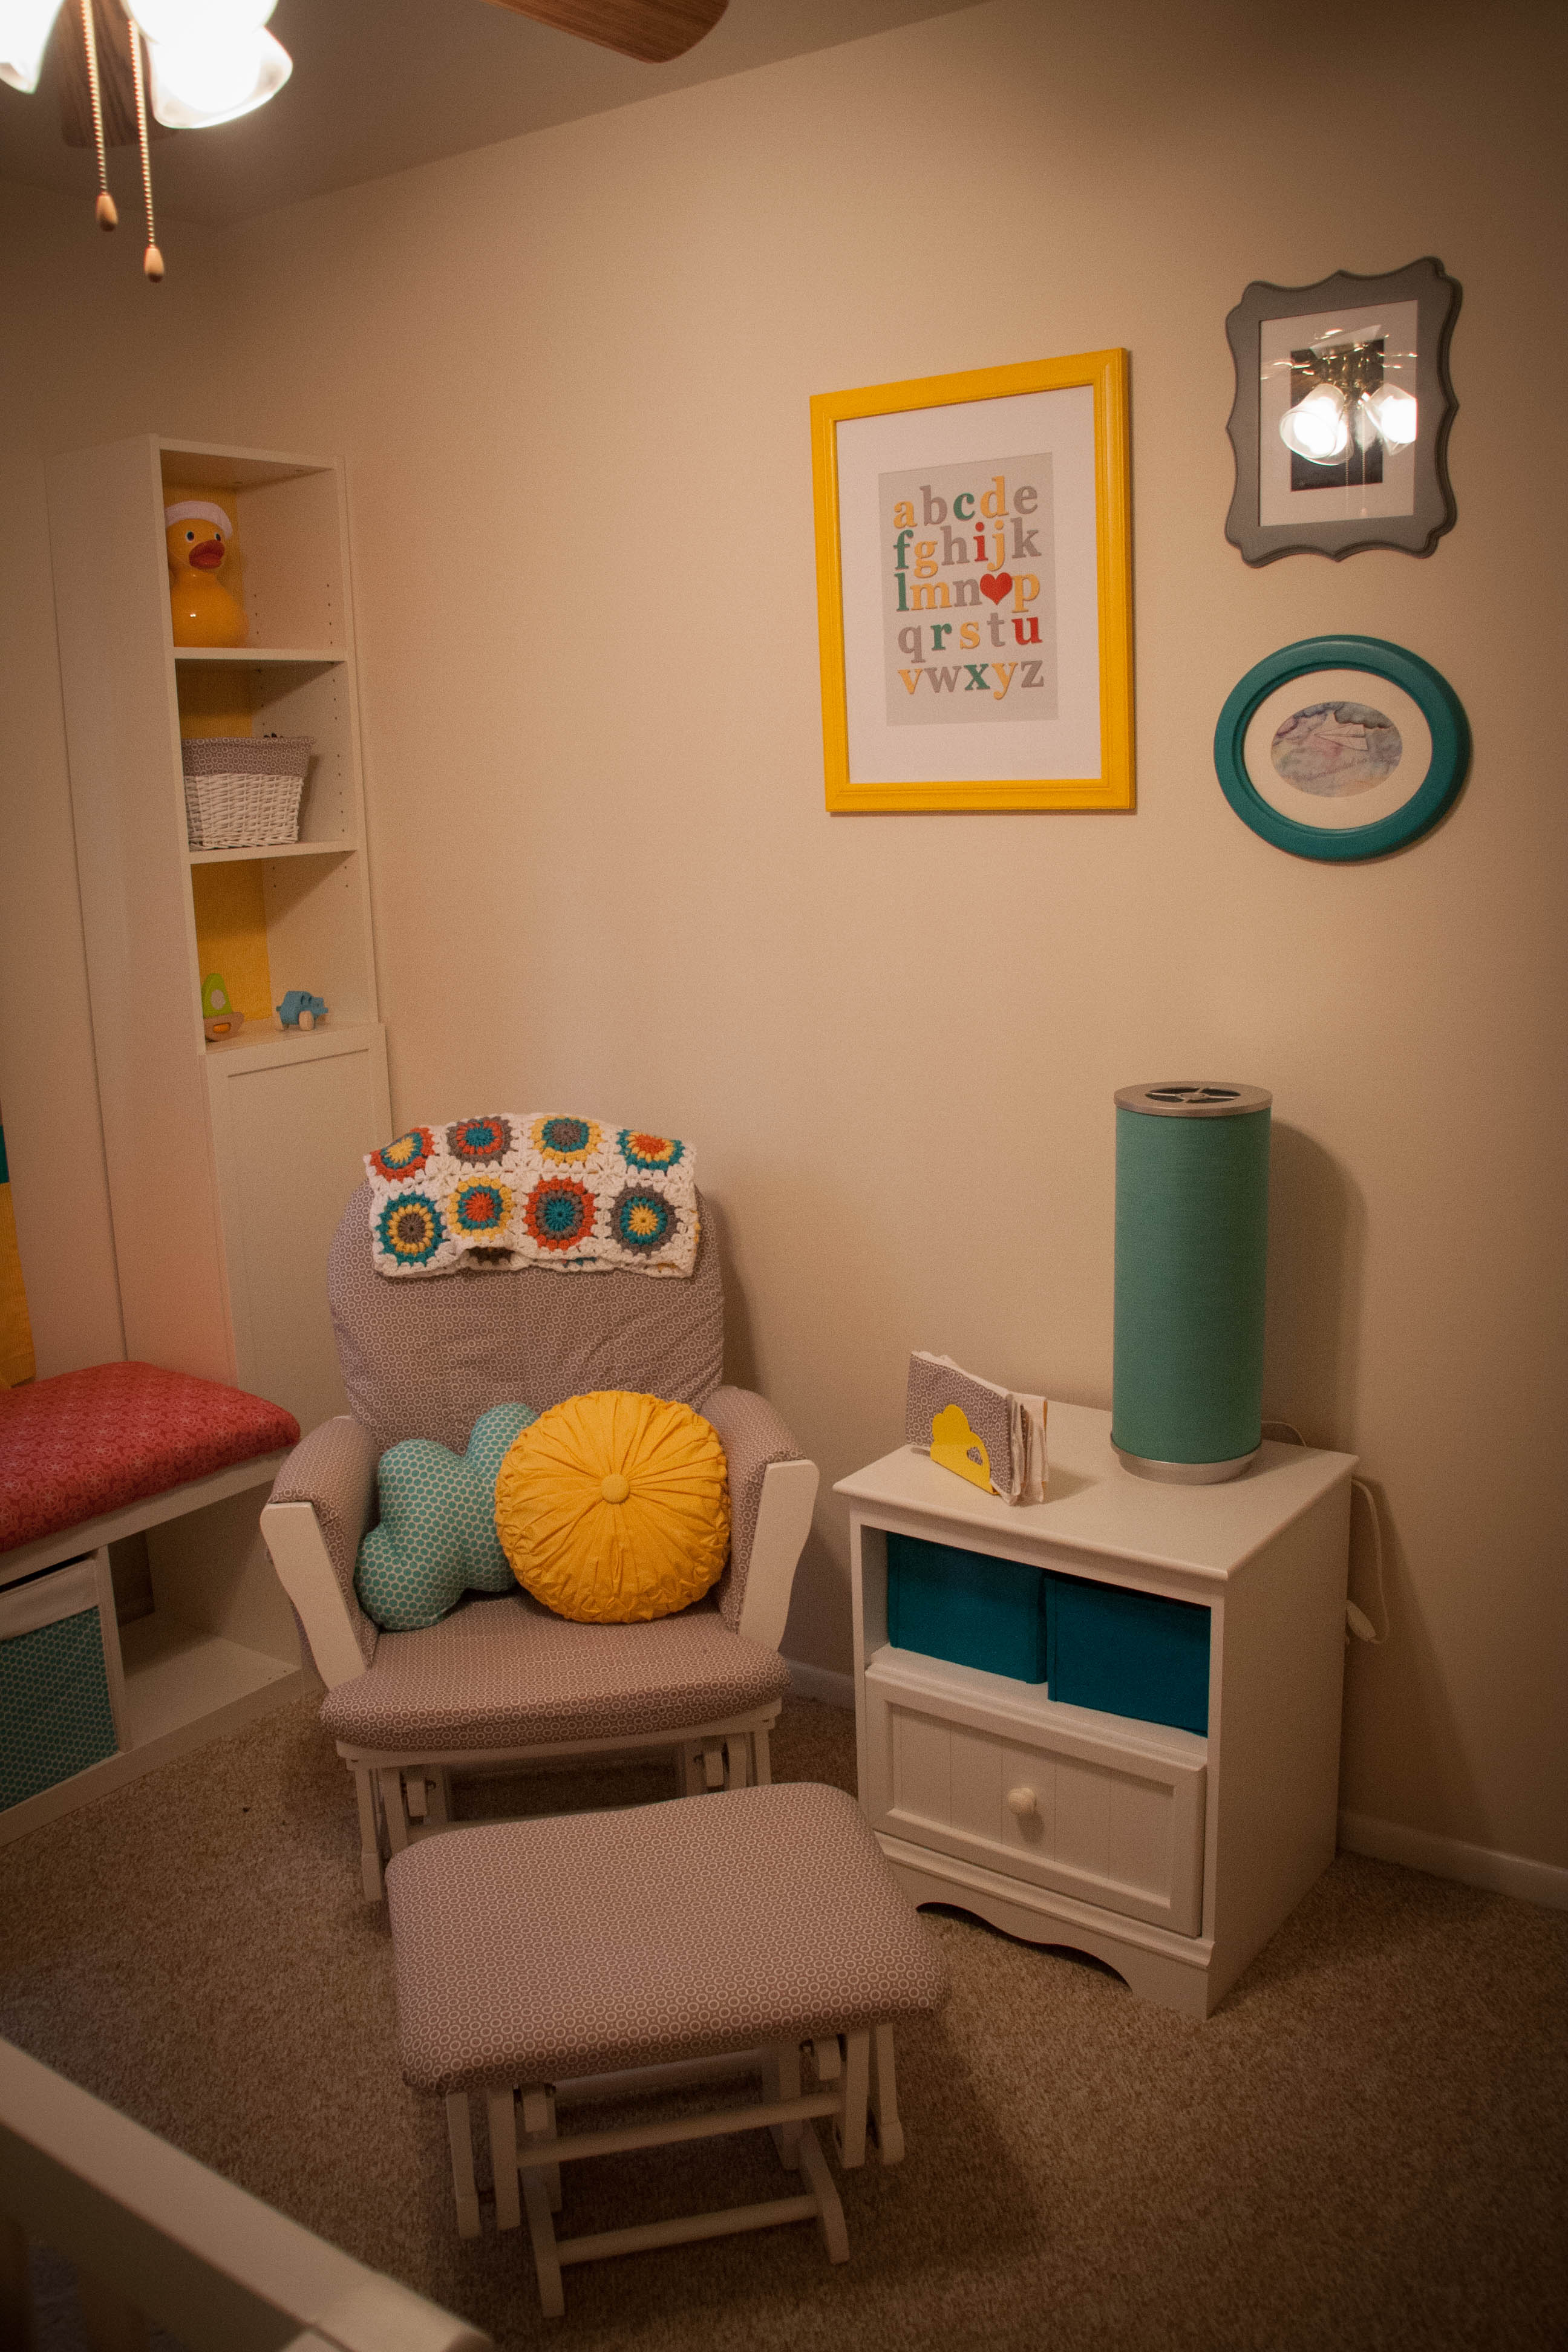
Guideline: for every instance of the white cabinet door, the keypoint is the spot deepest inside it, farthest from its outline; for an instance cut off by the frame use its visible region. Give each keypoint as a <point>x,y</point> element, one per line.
<point>290,1130</point>
<point>1116,1822</point>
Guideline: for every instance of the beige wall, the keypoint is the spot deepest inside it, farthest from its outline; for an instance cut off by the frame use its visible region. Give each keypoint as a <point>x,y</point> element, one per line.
<point>571,375</point>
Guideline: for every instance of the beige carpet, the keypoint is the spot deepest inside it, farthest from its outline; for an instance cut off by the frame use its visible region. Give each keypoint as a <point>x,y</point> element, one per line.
<point>1363,2147</point>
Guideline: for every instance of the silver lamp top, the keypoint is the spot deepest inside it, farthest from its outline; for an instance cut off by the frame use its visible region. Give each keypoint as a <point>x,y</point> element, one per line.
<point>1193,1098</point>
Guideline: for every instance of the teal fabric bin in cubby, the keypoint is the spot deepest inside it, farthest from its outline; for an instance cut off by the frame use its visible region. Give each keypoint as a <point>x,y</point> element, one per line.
<point>1096,1645</point>
<point>966,1607</point>
<point>55,1717</point>
<point>1128,1652</point>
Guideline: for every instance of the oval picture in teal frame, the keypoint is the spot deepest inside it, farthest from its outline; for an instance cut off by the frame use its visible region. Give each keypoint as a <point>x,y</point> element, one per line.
<point>1326,767</point>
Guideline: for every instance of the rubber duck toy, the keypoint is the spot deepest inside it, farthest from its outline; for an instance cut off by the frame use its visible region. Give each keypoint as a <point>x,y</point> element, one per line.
<point>204,612</point>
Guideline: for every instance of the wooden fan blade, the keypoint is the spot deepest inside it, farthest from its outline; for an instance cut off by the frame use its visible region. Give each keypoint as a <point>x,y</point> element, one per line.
<point>66,70</point>
<point>653,30</point>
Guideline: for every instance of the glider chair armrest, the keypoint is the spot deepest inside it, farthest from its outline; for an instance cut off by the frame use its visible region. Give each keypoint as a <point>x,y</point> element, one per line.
<point>322,1501</point>
<point>773,1492</point>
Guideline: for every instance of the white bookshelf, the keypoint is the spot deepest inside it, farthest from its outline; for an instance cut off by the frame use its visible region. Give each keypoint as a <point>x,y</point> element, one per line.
<point>229,1163</point>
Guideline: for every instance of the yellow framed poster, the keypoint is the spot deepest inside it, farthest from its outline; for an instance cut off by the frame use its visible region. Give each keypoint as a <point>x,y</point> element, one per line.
<point>973,582</point>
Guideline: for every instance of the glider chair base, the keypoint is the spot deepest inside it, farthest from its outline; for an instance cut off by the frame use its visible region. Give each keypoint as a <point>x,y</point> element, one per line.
<point>854,2079</point>
<point>402,1798</point>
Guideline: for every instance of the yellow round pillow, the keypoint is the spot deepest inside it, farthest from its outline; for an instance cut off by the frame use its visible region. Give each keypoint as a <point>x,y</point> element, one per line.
<point>613,1508</point>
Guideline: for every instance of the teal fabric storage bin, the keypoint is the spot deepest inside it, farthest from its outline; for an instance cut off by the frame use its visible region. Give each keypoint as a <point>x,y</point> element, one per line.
<point>1097,1645</point>
<point>1128,1652</point>
<point>55,1717</point>
<point>966,1607</point>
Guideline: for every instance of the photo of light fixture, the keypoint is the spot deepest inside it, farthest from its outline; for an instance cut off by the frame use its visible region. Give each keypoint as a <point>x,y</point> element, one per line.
<point>1346,398</point>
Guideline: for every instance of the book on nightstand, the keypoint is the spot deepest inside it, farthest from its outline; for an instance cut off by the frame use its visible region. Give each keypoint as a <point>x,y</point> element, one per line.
<point>988,1434</point>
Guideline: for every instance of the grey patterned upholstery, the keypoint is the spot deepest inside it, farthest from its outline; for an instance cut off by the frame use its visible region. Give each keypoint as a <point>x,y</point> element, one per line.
<point>532,1952</point>
<point>753,1436</point>
<point>425,1358</point>
<point>334,1470</point>
<point>508,1673</point>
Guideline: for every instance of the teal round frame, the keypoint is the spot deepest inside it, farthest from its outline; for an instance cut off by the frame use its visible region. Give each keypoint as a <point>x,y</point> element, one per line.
<point>1438,704</point>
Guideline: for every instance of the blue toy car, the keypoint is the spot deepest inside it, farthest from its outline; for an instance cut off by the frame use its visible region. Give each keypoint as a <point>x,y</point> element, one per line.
<point>300,1010</point>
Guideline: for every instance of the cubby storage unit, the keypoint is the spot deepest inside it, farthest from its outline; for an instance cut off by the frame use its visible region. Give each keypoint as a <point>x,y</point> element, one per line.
<point>1072,1801</point>
<point>209,1642</point>
<point>229,1163</point>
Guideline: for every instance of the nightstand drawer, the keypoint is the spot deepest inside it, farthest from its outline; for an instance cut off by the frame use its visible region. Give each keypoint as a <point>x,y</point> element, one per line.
<point>1041,1792</point>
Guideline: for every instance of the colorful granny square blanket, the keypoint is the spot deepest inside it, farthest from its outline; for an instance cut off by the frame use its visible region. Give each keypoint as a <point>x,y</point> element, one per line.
<point>526,1188</point>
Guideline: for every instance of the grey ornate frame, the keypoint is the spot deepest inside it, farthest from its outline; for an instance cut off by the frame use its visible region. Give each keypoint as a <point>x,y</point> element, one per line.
<point>1437,295</point>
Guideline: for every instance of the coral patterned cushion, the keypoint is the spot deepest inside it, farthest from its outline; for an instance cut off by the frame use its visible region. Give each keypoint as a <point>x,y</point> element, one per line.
<point>85,1443</point>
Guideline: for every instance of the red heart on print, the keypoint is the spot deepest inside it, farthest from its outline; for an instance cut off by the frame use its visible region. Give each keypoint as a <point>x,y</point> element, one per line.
<point>996,585</point>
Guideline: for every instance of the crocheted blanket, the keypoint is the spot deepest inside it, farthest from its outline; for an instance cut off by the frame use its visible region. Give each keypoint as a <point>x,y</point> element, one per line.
<point>526,1188</point>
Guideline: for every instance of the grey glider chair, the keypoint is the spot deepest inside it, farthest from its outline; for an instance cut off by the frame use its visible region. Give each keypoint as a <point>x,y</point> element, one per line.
<point>503,1681</point>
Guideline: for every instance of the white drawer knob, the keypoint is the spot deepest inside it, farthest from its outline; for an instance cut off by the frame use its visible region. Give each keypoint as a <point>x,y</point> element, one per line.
<point>1021,1804</point>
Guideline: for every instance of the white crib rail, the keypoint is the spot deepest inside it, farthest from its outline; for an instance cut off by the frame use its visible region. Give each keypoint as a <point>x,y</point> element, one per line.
<point>156,2236</point>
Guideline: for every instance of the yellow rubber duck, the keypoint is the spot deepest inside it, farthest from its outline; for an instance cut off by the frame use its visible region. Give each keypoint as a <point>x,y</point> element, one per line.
<point>205,613</point>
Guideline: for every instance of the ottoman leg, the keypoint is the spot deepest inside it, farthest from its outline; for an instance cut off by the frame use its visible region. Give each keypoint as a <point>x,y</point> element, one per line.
<point>819,2181</point>
<point>783,2082</point>
<point>392,1806</point>
<point>538,2123</point>
<point>885,2097</point>
<point>503,2156</point>
<point>369,1834</point>
<point>849,2128</point>
<point>462,2146</point>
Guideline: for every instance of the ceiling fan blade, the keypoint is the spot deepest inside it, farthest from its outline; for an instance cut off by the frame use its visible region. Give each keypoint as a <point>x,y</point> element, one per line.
<point>653,30</point>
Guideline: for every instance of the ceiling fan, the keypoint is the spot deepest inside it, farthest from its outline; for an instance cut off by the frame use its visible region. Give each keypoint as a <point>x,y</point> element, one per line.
<point>135,70</point>
<point>653,30</point>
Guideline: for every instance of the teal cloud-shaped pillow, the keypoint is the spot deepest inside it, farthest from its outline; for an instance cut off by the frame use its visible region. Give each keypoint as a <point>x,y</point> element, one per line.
<point>437,1539</point>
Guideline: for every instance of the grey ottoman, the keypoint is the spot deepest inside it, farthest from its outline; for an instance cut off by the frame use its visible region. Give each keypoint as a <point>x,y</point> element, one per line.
<point>601,1955</point>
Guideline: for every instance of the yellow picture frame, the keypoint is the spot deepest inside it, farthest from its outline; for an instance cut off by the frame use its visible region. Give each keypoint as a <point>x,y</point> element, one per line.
<point>1105,374</point>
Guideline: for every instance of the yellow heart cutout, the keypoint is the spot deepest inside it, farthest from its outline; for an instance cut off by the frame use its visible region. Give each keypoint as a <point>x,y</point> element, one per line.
<point>956,1448</point>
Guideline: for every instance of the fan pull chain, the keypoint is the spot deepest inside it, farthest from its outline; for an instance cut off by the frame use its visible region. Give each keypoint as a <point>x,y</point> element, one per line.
<point>152,261</point>
<point>107,215</point>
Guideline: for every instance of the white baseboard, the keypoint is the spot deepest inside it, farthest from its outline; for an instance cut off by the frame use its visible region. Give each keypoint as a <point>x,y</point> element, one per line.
<point>832,1688</point>
<point>1445,1857</point>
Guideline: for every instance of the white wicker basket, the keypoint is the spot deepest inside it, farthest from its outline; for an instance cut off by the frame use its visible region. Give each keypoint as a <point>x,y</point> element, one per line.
<point>243,791</point>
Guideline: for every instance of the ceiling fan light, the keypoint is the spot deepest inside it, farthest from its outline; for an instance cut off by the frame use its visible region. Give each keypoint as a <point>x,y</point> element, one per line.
<point>1317,428</point>
<point>199,20</point>
<point>1394,413</point>
<point>196,83</point>
<point>25,29</point>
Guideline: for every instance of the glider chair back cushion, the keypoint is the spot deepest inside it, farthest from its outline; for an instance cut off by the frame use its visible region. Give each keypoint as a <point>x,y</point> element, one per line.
<point>425,1358</point>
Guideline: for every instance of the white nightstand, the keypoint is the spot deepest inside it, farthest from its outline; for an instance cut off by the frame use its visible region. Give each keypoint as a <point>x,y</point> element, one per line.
<point>1172,1855</point>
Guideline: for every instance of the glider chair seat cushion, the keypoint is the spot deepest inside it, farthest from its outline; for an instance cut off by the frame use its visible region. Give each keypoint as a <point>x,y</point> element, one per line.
<point>498,1675</point>
<point>503,1679</point>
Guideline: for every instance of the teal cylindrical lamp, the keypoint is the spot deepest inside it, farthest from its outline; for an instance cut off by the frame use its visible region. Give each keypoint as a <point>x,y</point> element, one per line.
<point>1192,1246</point>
